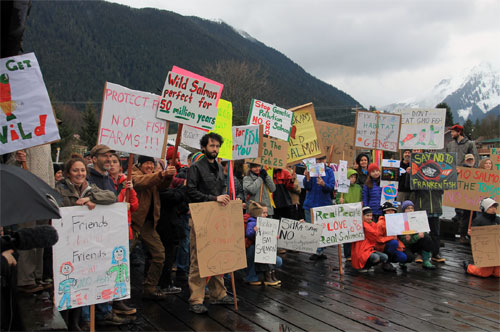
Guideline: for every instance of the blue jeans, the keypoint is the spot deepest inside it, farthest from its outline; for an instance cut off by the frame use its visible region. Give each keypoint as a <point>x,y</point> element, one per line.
<point>101,310</point>
<point>375,258</point>
<point>251,272</point>
<point>395,256</point>
<point>65,301</point>
<point>182,259</point>
<point>307,214</point>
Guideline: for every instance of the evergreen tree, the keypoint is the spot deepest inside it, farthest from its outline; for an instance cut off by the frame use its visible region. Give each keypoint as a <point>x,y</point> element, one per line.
<point>449,116</point>
<point>88,132</point>
<point>66,133</point>
<point>477,129</point>
<point>469,129</point>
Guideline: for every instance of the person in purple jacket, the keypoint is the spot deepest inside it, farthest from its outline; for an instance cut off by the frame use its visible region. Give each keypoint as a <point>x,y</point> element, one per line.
<point>372,191</point>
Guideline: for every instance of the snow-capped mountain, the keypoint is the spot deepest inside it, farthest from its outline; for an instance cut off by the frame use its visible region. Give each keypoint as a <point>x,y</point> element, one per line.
<point>472,94</point>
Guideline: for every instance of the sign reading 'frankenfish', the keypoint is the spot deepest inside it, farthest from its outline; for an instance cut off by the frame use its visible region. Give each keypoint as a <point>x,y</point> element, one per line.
<point>433,171</point>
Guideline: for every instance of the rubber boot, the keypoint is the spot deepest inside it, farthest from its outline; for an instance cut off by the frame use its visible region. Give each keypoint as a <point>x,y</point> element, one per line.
<point>426,257</point>
<point>268,279</point>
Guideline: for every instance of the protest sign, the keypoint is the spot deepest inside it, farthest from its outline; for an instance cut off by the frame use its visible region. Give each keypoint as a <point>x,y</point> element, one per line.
<point>223,127</point>
<point>433,171</point>
<point>220,239</point>
<point>28,119</point>
<point>314,169</point>
<point>389,192</point>
<point>91,258</point>
<point>276,121</point>
<point>185,72</point>
<point>247,142</point>
<point>299,236</point>
<point>274,153</point>
<point>128,122</point>
<point>485,245</point>
<point>341,223</point>
<point>474,184</point>
<point>304,139</point>
<point>406,223</point>
<point>343,183</point>
<point>341,137</point>
<point>422,128</point>
<point>191,136</point>
<point>189,100</point>
<point>495,158</point>
<point>377,131</point>
<point>390,170</point>
<point>266,240</point>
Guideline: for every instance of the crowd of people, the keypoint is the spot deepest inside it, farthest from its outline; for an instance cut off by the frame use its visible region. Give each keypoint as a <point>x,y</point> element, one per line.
<point>159,192</point>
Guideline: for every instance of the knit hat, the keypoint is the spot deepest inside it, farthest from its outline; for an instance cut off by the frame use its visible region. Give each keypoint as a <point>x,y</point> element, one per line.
<point>170,153</point>
<point>487,203</point>
<point>255,209</point>
<point>367,210</point>
<point>197,156</point>
<point>388,206</point>
<point>373,167</point>
<point>143,159</point>
<point>406,204</point>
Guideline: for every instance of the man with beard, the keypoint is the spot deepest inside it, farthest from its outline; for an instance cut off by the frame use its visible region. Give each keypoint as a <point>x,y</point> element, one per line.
<point>101,162</point>
<point>461,145</point>
<point>205,183</point>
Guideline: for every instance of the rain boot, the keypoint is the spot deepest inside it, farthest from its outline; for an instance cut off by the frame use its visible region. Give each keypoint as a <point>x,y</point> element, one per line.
<point>426,257</point>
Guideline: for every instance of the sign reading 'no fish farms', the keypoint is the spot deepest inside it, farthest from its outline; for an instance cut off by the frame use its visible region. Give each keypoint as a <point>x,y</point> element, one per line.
<point>377,131</point>
<point>277,121</point>
<point>189,100</point>
<point>341,223</point>
<point>433,171</point>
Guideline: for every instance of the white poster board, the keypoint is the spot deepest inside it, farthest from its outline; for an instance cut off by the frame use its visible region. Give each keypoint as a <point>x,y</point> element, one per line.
<point>129,123</point>
<point>191,136</point>
<point>277,121</point>
<point>341,223</point>
<point>377,131</point>
<point>299,236</point>
<point>91,258</point>
<point>266,240</point>
<point>27,118</point>
<point>422,128</point>
<point>246,142</point>
<point>343,182</point>
<point>406,223</point>
<point>315,169</point>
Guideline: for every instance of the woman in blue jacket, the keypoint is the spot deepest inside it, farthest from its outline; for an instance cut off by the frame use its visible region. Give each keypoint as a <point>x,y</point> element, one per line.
<point>372,191</point>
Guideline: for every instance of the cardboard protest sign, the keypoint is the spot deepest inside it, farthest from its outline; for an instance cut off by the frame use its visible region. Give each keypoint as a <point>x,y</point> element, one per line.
<point>304,139</point>
<point>495,158</point>
<point>28,119</point>
<point>377,131</point>
<point>343,183</point>
<point>128,122</point>
<point>422,128</point>
<point>91,258</point>
<point>433,171</point>
<point>474,184</point>
<point>341,137</point>
<point>299,236</point>
<point>189,100</point>
<point>223,127</point>
<point>406,223</point>
<point>341,223</point>
<point>220,238</point>
<point>274,153</point>
<point>276,121</point>
<point>266,240</point>
<point>191,136</point>
<point>485,245</point>
<point>247,142</point>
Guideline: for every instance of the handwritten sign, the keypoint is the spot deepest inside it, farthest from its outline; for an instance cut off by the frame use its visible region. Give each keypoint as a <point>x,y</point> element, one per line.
<point>485,245</point>
<point>315,169</point>
<point>495,158</point>
<point>274,153</point>
<point>341,137</point>
<point>189,100</point>
<point>304,139</point>
<point>191,136</point>
<point>406,223</point>
<point>223,125</point>
<point>128,122</point>
<point>220,239</point>
<point>91,258</point>
<point>422,128</point>
<point>299,236</point>
<point>247,142</point>
<point>277,121</point>
<point>28,119</point>
<point>474,184</point>
<point>266,240</point>
<point>341,223</point>
<point>377,131</point>
<point>343,183</point>
<point>433,171</point>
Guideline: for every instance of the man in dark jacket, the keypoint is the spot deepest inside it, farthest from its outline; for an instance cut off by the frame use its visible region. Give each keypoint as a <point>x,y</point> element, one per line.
<point>205,183</point>
<point>461,145</point>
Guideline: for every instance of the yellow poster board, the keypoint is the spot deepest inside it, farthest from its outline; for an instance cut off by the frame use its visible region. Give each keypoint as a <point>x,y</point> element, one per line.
<point>223,127</point>
<point>304,139</point>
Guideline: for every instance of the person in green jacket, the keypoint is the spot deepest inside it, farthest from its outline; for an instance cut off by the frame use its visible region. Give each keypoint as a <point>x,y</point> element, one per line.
<point>352,196</point>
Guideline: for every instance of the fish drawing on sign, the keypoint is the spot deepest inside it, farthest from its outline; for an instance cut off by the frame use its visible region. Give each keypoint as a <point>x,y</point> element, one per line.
<point>223,261</point>
<point>431,170</point>
<point>408,137</point>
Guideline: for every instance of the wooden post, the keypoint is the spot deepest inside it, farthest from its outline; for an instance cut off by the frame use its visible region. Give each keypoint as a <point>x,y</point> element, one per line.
<point>330,155</point>
<point>177,142</point>
<point>470,219</point>
<point>232,193</point>
<point>341,268</point>
<point>92,318</point>
<point>129,175</point>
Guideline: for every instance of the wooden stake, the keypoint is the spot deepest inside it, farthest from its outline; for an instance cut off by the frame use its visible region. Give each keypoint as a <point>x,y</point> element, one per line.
<point>129,175</point>
<point>330,155</point>
<point>470,219</point>
<point>177,142</point>
<point>92,318</point>
<point>341,268</point>
<point>232,193</point>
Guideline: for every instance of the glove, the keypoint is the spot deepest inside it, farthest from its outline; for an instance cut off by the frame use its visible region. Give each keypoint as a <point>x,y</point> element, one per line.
<point>263,174</point>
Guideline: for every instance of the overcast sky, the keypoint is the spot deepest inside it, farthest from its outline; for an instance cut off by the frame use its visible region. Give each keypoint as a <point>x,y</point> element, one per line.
<point>377,51</point>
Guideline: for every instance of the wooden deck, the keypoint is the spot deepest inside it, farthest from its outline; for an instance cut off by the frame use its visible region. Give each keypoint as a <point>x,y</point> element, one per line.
<point>314,298</point>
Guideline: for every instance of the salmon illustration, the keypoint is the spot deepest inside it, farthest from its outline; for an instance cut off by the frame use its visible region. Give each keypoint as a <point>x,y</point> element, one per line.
<point>6,103</point>
<point>431,170</point>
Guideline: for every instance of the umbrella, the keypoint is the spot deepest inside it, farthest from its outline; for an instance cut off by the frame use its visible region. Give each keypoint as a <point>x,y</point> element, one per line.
<point>25,197</point>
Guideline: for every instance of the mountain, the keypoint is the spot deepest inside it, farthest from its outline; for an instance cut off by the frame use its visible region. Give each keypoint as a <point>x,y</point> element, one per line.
<point>472,95</point>
<point>82,44</point>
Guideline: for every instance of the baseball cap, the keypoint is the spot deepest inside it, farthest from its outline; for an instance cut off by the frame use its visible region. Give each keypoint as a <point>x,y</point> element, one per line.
<point>469,156</point>
<point>100,149</point>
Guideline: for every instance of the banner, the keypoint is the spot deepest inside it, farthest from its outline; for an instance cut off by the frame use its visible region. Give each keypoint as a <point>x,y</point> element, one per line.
<point>485,245</point>
<point>299,236</point>
<point>474,184</point>
<point>433,171</point>
<point>28,119</point>
<point>128,122</point>
<point>377,131</point>
<point>495,158</point>
<point>91,259</point>
<point>247,142</point>
<point>276,121</point>
<point>189,100</point>
<point>220,237</point>
<point>304,138</point>
<point>422,128</point>
<point>274,153</point>
<point>341,137</point>
<point>223,127</point>
<point>406,223</point>
<point>191,136</point>
<point>341,223</point>
<point>266,240</point>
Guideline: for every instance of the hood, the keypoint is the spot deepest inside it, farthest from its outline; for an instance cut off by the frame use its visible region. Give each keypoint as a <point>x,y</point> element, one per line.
<point>351,172</point>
